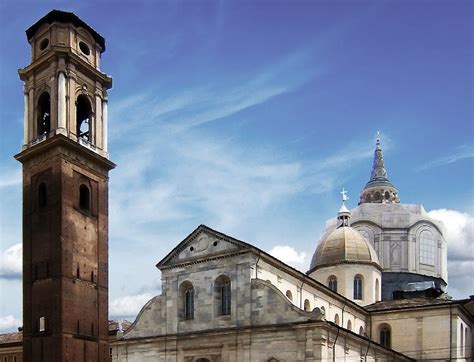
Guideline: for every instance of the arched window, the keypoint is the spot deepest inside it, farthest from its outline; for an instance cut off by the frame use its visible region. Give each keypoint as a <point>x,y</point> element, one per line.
<point>358,285</point>
<point>189,303</point>
<point>307,306</point>
<point>385,336</point>
<point>289,295</point>
<point>427,248</point>
<point>377,290</point>
<point>44,114</point>
<point>42,195</point>
<point>186,301</point>
<point>349,325</point>
<point>83,118</point>
<point>332,283</point>
<point>84,198</point>
<point>336,319</point>
<point>361,331</point>
<point>466,344</point>
<point>222,291</point>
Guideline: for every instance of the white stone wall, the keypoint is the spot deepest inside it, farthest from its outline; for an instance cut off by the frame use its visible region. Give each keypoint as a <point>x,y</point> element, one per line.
<point>319,297</point>
<point>345,274</point>
<point>425,333</point>
<point>316,341</point>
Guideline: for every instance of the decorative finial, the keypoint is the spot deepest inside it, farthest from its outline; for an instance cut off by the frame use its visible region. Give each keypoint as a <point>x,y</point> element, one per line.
<point>377,143</point>
<point>344,195</point>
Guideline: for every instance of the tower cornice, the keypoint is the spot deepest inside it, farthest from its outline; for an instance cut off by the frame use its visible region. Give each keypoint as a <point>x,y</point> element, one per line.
<point>61,140</point>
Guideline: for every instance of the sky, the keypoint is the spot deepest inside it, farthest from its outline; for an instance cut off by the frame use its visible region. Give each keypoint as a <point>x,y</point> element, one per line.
<point>250,117</point>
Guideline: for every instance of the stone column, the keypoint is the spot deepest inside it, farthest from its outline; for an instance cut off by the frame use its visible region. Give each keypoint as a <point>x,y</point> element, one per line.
<point>98,124</point>
<point>26,135</point>
<point>61,103</point>
<point>104,125</point>
<point>32,126</point>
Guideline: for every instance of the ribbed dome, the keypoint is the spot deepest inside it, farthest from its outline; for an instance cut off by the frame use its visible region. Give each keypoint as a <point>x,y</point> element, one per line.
<point>343,245</point>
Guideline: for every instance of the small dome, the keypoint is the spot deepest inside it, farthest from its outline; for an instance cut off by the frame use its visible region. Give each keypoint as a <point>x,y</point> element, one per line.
<point>343,245</point>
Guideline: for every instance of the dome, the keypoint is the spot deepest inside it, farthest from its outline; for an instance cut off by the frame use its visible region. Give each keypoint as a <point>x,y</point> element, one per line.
<point>343,245</point>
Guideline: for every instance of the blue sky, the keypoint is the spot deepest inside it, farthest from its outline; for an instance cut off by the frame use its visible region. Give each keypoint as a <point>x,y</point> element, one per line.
<point>250,117</point>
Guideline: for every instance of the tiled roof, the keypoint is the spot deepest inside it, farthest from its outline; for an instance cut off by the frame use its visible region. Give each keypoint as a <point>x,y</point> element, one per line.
<point>15,337</point>
<point>114,325</point>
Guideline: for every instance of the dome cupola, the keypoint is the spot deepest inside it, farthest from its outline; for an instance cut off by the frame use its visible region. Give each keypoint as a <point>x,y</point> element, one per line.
<point>346,262</point>
<point>343,244</point>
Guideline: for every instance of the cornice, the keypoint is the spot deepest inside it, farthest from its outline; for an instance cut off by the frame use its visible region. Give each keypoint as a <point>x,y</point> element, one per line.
<point>60,51</point>
<point>61,140</point>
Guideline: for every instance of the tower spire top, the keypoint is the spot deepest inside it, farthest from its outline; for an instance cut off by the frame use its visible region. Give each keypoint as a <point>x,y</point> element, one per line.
<point>378,167</point>
<point>379,189</point>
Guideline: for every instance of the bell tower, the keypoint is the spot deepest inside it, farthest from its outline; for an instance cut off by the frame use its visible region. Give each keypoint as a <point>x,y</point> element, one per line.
<point>65,193</point>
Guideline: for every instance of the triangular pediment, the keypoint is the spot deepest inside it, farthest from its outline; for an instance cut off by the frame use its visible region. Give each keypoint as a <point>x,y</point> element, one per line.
<point>201,244</point>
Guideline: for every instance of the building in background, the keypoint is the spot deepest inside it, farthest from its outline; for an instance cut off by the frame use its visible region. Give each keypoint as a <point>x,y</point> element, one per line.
<point>410,245</point>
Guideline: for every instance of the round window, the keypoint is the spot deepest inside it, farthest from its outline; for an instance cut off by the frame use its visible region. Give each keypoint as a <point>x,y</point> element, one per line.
<point>44,44</point>
<point>84,48</point>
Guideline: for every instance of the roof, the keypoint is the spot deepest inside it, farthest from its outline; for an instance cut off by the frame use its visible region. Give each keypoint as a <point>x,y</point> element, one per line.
<point>411,303</point>
<point>64,17</point>
<point>114,326</point>
<point>17,337</point>
<point>343,245</point>
<point>9,338</point>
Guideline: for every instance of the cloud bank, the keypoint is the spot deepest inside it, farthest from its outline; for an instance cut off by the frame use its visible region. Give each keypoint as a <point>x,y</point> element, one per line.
<point>127,307</point>
<point>11,262</point>
<point>9,323</point>
<point>459,236</point>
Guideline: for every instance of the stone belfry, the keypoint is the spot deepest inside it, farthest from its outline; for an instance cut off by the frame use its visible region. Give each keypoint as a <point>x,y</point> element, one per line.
<point>65,193</point>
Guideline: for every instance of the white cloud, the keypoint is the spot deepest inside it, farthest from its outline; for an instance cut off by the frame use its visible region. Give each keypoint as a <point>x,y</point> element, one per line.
<point>9,324</point>
<point>462,152</point>
<point>156,110</point>
<point>459,236</point>
<point>459,232</point>
<point>128,306</point>
<point>11,262</point>
<point>290,256</point>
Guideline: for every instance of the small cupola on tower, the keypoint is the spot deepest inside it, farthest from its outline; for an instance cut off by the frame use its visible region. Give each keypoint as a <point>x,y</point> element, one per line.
<point>379,189</point>
<point>65,93</point>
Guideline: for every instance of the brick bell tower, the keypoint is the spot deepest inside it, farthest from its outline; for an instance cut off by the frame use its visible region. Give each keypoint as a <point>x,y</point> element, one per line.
<point>65,193</point>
